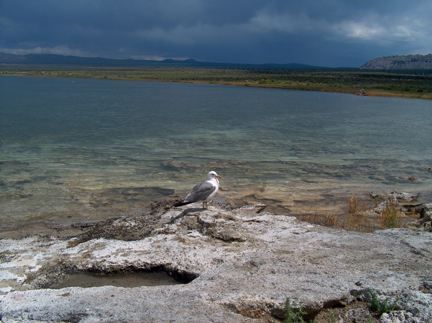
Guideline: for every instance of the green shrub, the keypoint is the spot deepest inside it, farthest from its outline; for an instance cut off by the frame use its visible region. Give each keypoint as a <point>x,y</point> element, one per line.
<point>381,307</point>
<point>390,217</point>
<point>291,316</point>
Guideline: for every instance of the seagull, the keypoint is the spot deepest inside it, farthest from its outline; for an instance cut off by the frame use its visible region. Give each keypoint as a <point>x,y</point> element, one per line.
<point>202,192</point>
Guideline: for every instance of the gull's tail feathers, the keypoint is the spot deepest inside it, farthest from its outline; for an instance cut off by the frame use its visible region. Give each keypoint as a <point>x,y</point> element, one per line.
<point>181,203</point>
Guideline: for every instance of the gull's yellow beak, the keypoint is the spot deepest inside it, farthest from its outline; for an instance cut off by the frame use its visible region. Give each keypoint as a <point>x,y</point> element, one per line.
<point>218,176</point>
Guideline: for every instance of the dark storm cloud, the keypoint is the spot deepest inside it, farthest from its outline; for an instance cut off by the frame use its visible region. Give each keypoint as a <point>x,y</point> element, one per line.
<point>328,33</point>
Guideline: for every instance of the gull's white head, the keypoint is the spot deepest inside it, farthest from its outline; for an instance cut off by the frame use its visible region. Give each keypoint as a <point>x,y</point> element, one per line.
<point>212,174</point>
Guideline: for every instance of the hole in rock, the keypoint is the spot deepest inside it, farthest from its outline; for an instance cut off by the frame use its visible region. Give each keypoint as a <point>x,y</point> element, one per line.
<point>123,279</point>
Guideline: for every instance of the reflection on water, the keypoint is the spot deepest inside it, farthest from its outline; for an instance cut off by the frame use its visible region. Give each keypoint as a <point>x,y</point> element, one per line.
<point>94,148</point>
<point>128,280</point>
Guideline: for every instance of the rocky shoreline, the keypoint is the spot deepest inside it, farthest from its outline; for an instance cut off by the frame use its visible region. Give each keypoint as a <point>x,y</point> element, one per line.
<point>233,266</point>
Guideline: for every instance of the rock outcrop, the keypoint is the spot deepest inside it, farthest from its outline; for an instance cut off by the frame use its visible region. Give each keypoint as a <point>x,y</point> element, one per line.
<point>399,62</point>
<point>236,266</point>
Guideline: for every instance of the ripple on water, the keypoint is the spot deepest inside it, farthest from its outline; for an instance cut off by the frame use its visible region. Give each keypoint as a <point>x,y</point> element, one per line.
<point>96,148</point>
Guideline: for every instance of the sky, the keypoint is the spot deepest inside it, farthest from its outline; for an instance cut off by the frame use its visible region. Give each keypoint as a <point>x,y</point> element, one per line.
<point>331,33</point>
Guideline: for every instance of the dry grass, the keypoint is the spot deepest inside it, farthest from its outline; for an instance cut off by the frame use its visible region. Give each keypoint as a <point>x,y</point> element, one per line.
<point>349,81</point>
<point>361,218</point>
<point>355,220</point>
<point>357,217</point>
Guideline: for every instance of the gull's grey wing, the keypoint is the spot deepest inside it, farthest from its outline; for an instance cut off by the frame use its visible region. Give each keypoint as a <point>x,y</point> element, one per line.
<point>200,192</point>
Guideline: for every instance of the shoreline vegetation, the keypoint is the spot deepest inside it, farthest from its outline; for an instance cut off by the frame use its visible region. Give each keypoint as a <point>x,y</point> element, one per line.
<point>368,83</point>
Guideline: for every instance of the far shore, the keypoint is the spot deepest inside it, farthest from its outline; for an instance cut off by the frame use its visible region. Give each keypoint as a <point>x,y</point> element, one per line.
<point>351,82</point>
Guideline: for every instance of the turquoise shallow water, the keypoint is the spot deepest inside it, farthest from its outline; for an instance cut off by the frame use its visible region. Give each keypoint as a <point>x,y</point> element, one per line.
<point>93,148</point>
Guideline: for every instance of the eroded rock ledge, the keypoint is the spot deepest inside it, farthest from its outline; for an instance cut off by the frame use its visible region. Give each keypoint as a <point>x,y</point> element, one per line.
<point>241,266</point>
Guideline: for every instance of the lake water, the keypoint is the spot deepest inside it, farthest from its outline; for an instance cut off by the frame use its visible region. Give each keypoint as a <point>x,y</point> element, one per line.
<point>80,148</point>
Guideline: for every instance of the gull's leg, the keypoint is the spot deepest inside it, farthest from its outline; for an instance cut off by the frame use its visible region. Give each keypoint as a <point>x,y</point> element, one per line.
<point>204,204</point>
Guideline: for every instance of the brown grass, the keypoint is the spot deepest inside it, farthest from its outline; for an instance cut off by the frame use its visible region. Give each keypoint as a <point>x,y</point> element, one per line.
<point>372,83</point>
<point>360,218</point>
<point>329,220</point>
<point>357,217</point>
<point>355,220</point>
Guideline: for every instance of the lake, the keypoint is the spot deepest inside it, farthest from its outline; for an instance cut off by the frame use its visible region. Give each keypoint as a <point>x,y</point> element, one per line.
<point>86,149</point>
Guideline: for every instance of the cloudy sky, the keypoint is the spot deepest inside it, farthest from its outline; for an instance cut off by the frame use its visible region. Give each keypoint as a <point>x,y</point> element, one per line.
<point>334,33</point>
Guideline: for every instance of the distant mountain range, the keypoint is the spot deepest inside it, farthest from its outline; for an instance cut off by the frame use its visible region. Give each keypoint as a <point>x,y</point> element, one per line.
<point>408,62</point>
<point>60,60</point>
<point>413,62</point>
